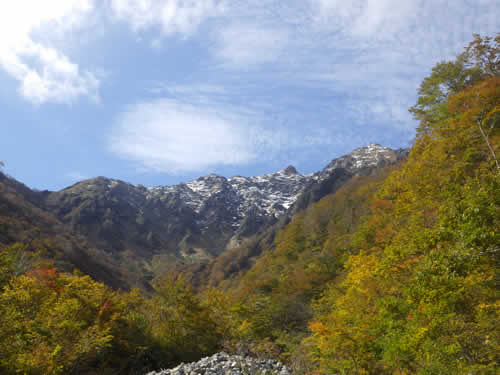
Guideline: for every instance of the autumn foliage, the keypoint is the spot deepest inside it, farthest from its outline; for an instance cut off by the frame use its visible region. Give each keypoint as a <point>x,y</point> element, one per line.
<point>395,273</point>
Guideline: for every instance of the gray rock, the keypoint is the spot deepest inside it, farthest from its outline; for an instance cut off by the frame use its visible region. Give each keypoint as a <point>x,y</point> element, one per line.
<point>225,364</point>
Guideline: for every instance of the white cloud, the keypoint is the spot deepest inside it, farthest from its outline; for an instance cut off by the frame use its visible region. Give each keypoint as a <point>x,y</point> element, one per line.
<point>190,131</point>
<point>45,74</point>
<point>172,16</point>
<point>76,176</point>
<point>366,18</point>
<point>370,53</point>
<point>369,56</point>
<point>376,52</point>
<point>170,136</point>
<point>241,46</point>
<point>194,93</point>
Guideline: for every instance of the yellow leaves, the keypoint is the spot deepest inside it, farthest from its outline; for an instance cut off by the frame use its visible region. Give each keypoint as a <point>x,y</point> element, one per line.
<point>361,267</point>
<point>402,268</point>
<point>492,115</point>
<point>380,206</point>
<point>244,327</point>
<point>56,350</point>
<point>319,328</point>
<point>420,294</point>
<point>421,332</point>
<point>383,235</point>
<point>55,319</point>
<point>472,99</point>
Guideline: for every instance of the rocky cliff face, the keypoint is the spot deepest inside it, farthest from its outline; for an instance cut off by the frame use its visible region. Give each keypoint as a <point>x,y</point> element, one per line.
<point>138,231</point>
<point>200,218</point>
<point>243,249</point>
<point>192,220</point>
<point>361,162</point>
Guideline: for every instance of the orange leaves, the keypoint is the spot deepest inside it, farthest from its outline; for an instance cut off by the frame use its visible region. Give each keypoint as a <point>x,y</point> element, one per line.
<point>406,264</point>
<point>379,206</point>
<point>319,328</point>
<point>482,97</point>
<point>384,234</point>
<point>45,276</point>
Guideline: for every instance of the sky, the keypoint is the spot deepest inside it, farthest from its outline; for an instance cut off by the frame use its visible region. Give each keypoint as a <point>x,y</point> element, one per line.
<point>156,92</point>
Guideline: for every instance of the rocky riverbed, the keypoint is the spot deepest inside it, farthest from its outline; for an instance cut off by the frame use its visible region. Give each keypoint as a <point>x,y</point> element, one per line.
<point>225,364</point>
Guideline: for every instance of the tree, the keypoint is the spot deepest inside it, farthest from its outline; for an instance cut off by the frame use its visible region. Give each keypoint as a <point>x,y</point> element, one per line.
<point>182,322</point>
<point>480,105</point>
<point>419,293</point>
<point>484,53</point>
<point>480,60</point>
<point>15,260</point>
<point>53,323</point>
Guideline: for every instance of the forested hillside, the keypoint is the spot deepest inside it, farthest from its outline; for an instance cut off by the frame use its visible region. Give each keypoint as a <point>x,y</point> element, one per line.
<point>127,236</point>
<point>400,274</point>
<point>396,272</point>
<point>23,220</point>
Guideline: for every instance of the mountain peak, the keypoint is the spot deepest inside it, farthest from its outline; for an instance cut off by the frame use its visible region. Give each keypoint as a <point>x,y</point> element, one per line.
<point>290,170</point>
<point>371,147</point>
<point>371,156</point>
<point>197,219</point>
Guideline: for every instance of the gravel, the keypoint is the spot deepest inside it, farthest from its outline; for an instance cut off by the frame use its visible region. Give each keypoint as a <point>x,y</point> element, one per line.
<point>225,364</point>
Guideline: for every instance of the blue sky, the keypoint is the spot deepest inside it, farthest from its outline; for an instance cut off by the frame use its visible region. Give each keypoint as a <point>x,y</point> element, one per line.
<point>156,92</point>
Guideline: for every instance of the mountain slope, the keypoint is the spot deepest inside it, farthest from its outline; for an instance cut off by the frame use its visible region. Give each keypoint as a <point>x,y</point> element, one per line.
<point>23,220</point>
<point>142,232</point>
<point>235,262</point>
<point>397,274</point>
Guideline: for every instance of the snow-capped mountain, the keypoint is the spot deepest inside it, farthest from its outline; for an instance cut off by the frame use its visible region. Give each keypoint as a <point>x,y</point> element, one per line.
<point>199,219</point>
<point>371,156</point>
<point>270,194</point>
<point>126,234</point>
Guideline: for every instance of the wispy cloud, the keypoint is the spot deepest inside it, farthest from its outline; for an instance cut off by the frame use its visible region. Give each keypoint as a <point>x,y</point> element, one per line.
<point>278,79</point>
<point>199,128</point>
<point>44,73</point>
<point>375,52</point>
<point>242,46</point>
<point>359,42</point>
<point>366,18</point>
<point>76,176</point>
<point>165,135</point>
<point>170,16</point>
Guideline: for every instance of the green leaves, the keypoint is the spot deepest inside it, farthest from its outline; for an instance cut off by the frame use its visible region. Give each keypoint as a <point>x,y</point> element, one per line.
<point>479,61</point>
<point>419,295</point>
<point>183,323</point>
<point>393,274</point>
